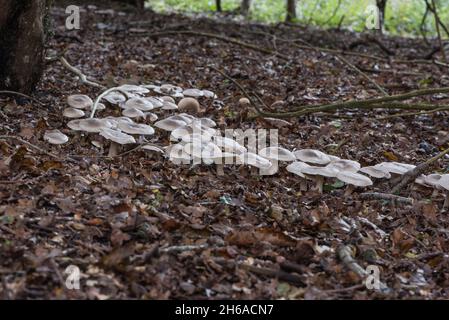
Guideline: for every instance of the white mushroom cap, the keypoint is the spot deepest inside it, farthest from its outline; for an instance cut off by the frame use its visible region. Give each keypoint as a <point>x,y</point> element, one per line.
<point>229,144</point>
<point>115,98</point>
<point>134,89</point>
<point>73,113</point>
<point>94,124</point>
<point>206,122</point>
<point>254,160</point>
<point>192,93</point>
<point>138,103</point>
<point>209,94</point>
<point>167,105</point>
<point>169,89</point>
<point>395,167</point>
<point>55,137</point>
<point>297,167</point>
<point>344,165</point>
<point>444,181</point>
<point>355,179</point>
<point>117,136</point>
<point>433,179</point>
<point>150,147</point>
<point>156,102</point>
<point>74,125</point>
<point>375,172</point>
<point>277,153</point>
<point>319,171</point>
<point>79,101</point>
<point>151,116</point>
<point>177,154</point>
<point>211,151</point>
<point>135,128</point>
<point>204,138</point>
<point>169,124</point>
<point>168,98</point>
<point>187,118</point>
<point>133,113</point>
<point>312,156</point>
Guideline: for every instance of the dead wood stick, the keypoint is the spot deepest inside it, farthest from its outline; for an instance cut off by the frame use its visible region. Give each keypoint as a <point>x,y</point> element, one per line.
<point>364,75</point>
<point>221,38</point>
<point>411,175</point>
<point>6,137</point>
<point>275,273</point>
<point>386,196</point>
<point>183,248</point>
<point>437,26</point>
<point>408,114</point>
<point>21,95</point>
<point>345,255</point>
<point>83,78</point>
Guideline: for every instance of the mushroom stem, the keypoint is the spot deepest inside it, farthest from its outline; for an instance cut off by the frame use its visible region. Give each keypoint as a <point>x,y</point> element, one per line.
<point>113,149</point>
<point>446,201</point>
<point>220,170</point>
<point>349,190</point>
<point>303,185</point>
<point>319,183</point>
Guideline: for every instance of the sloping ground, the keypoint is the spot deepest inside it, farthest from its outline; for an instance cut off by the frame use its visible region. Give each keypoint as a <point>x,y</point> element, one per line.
<point>120,220</point>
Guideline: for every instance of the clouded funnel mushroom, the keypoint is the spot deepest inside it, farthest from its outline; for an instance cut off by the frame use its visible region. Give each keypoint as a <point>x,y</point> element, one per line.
<point>320,173</point>
<point>73,113</point>
<point>138,103</point>
<point>353,179</point>
<point>312,156</point>
<point>277,153</point>
<point>79,101</point>
<point>296,168</point>
<point>444,183</point>
<point>55,137</point>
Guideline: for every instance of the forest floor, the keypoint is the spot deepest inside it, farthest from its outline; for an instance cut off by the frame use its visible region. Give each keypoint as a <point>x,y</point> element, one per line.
<point>139,226</point>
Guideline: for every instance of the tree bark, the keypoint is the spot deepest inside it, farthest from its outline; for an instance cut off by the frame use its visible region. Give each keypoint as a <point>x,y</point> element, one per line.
<point>140,4</point>
<point>218,5</point>
<point>22,38</point>
<point>291,11</point>
<point>246,4</point>
<point>381,4</point>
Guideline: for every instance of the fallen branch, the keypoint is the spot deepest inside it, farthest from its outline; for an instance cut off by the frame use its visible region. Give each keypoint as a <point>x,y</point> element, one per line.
<point>386,196</point>
<point>408,114</point>
<point>6,137</point>
<point>183,248</point>
<point>345,255</point>
<point>221,38</point>
<point>411,175</point>
<point>83,78</point>
<point>364,75</point>
<point>21,95</point>
<point>387,102</point>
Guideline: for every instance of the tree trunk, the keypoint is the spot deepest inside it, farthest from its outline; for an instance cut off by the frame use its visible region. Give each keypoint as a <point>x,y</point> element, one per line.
<point>291,11</point>
<point>218,5</point>
<point>140,4</point>
<point>381,4</point>
<point>22,37</point>
<point>246,4</point>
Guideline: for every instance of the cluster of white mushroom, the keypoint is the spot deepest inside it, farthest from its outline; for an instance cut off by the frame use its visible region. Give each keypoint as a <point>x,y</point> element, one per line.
<point>197,141</point>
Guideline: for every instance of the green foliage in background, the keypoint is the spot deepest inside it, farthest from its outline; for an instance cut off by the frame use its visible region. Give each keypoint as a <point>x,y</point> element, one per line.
<point>403,17</point>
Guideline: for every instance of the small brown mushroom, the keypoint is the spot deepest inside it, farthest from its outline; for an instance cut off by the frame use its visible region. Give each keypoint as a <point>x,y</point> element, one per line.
<point>190,105</point>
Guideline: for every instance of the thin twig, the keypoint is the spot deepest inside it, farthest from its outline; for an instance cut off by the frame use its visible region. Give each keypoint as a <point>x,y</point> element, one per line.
<point>5,137</point>
<point>353,67</point>
<point>21,95</point>
<point>219,37</point>
<point>83,78</point>
<point>386,196</point>
<point>411,175</point>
